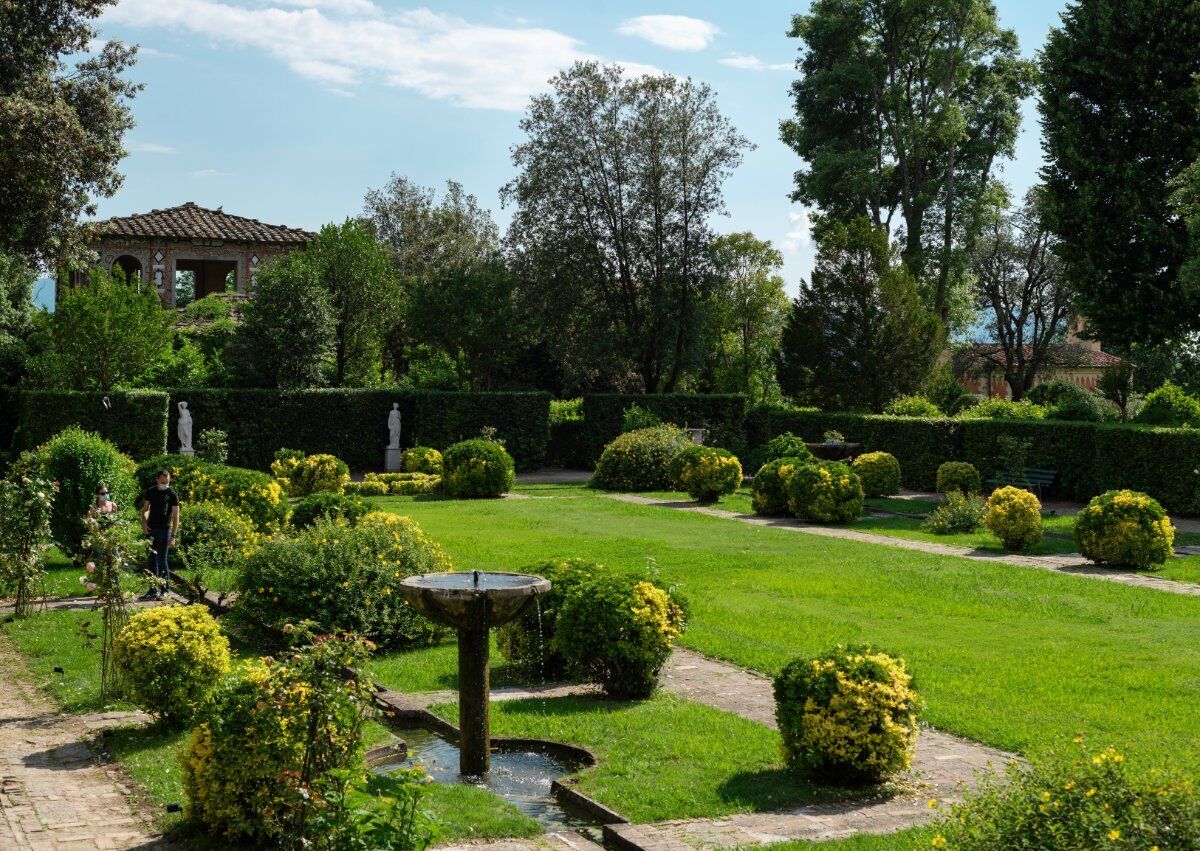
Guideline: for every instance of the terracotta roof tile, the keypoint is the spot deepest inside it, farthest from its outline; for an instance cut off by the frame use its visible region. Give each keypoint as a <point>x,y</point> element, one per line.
<point>189,221</point>
<point>1070,355</point>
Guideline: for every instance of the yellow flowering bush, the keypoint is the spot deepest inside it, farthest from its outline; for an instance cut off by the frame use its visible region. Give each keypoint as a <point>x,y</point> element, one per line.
<point>422,459</point>
<point>827,492</point>
<point>214,539</point>
<point>1075,798</point>
<point>528,641</point>
<point>170,658</point>
<point>369,487</point>
<point>706,473</point>
<point>284,465</point>
<point>848,716</point>
<point>616,630</point>
<point>342,578</point>
<point>879,473</point>
<point>1015,517</point>
<point>1125,528</point>
<point>319,473</point>
<point>475,469</point>
<point>405,484</point>
<point>769,493</point>
<point>958,476</point>
<point>340,506</point>
<point>639,460</point>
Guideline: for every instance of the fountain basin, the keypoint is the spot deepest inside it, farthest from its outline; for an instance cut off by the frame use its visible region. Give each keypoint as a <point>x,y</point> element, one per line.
<point>475,600</point>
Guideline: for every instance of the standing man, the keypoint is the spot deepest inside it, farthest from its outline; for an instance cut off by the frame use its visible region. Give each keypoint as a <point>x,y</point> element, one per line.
<point>160,520</point>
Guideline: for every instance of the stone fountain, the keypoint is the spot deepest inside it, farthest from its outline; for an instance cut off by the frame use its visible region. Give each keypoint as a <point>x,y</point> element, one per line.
<point>473,603</point>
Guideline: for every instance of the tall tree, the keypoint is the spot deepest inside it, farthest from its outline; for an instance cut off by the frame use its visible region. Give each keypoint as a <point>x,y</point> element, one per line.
<point>1021,289</point>
<point>60,126</point>
<point>903,112</point>
<point>857,334</point>
<point>747,306</point>
<point>1120,107</point>
<point>617,180</point>
<point>16,313</point>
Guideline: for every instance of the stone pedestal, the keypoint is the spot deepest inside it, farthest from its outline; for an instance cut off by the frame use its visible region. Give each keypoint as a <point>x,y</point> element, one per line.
<point>391,460</point>
<point>189,452</point>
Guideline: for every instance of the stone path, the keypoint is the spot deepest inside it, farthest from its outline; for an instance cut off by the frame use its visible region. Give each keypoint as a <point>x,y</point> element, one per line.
<point>554,841</point>
<point>53,793</point>
<point>1073,563</point>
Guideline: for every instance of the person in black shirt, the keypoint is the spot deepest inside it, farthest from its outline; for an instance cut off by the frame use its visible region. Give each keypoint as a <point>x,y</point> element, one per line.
<point>160,520</point>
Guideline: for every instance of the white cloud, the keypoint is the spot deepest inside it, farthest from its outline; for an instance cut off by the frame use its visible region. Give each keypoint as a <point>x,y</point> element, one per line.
<point>799,234</point>
<point>151,148</point>
<point>750,62</point>
<point>209,172</point>
<point>342,43</point>
<point>674,32</point>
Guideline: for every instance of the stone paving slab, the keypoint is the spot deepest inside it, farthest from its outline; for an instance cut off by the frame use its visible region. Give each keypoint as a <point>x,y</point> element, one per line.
<point>1072,563</point>
<point>53,792</point>
<point>553,841</point>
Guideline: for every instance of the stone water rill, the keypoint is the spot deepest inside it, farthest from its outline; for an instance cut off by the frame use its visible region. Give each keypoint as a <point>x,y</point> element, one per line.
<point>473,603</point>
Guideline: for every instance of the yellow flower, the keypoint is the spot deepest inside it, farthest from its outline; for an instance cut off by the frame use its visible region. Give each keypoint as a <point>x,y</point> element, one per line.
<point>1091,792</point>
<point>938,841</point>
<point>1114,835</point>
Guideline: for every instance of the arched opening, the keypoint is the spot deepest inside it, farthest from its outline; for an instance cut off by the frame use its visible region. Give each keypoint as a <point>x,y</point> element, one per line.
<point>127,266</point>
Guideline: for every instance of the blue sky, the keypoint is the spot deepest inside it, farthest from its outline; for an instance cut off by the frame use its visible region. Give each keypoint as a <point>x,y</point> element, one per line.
<point>289,110</point>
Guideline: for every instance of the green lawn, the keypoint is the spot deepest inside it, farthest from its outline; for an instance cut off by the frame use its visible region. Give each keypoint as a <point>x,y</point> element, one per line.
<point>62,577</point>
<point>1014,657</point>
<point>662,758</point>
<point>432,669</point>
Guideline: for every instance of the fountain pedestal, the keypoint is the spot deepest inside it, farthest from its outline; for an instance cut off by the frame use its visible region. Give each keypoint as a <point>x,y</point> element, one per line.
<point>473,603</point>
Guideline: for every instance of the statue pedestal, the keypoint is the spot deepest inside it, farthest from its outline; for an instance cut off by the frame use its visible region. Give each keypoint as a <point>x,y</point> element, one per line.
<point>189,452</point>
<point>391,460</point>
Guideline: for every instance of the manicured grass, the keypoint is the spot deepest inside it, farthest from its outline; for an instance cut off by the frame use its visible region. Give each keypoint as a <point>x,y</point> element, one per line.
<point>432,668</point>
<point>1014,657</point>
<point>62,577</point>
<point>662,758</point>
<point>904,840</point>
<point>469,813</point>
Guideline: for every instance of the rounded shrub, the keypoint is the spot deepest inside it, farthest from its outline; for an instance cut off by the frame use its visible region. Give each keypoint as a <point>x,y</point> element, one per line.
<point>769,491</point>
<point>367,488</point>
<point>330,506</point>
<point>1084,408</point>
<point>319,473</point>
<point>170,658</point>
<point>958,476</point>
<point>912,406</point>
<point>827,492</point>
<point>965,402</point>
<point>617,630</point>
<point>422,459</point>
<point>848,716</point>
<point>80,461</point>
<point>879,473</point>
<point>476,469</point>
<point>996,408</point>
<point>255,494</point>
<point>640,460</point>
<point>786,445</point>
<point>1124,528</point>
<point>706,473</point>
<point>528,642</point>
<point>214,537</point>
<point>1170,406</point>
<point>1015,517</point>
<point>343,578</point>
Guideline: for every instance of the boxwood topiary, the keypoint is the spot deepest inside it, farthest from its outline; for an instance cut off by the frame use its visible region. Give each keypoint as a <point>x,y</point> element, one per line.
<point>80,462</point>
<point>1015,517</point>
<point>827,492</point>
<point>1124,528</point>
<point>786,445</point>
<point>617,630</point>
<point>848,716</point>
<point>640,460</point>
<point>422,459</point>
<point>958,476</point>
<point>342,578</point>
<point>475,469</point>
<point>879,473</point>
<point>170,658</point>
<point>769,492</point>
<point>706,473</point>
<point>331,506</point>
<point>528,641</point>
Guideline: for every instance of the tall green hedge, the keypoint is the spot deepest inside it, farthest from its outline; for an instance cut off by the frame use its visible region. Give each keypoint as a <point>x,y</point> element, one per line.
<point>723,414</point>
<point>352,424</point>
<point>135,420</point>
<point>1089,458</point>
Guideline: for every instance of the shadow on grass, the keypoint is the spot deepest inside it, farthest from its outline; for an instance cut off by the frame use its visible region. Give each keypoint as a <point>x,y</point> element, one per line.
<point>778,788</point>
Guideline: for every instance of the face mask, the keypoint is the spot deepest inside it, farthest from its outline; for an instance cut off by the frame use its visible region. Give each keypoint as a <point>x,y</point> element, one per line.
<point>162,487</point>
<point>103,498</point>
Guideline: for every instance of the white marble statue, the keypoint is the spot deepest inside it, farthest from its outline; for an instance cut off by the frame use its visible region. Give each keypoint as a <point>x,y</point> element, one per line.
<point>184,429</point>
<point>394,427</point>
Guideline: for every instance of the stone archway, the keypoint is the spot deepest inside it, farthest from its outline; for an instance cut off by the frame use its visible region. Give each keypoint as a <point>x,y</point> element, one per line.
<point>127,266</point>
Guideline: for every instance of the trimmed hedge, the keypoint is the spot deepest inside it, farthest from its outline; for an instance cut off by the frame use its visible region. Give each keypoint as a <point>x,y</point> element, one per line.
<point>723,414</point>
<point>352,424</point>
<point>136,420</point>
<point>1090,458</point>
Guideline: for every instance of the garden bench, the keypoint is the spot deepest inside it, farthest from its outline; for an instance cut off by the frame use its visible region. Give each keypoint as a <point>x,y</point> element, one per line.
<point>1031,479</point>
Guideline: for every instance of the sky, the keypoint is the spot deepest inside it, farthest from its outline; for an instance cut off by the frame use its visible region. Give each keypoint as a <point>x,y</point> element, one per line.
<point>288,111</point>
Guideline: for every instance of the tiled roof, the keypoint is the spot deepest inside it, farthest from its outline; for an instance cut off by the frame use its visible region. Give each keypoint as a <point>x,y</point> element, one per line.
<point>1067,356</point>
<point>188,221</point>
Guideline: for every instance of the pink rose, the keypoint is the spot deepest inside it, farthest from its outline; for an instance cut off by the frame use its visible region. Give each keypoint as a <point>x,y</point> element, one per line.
<point>90,567</point>
<point>91,586</point>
